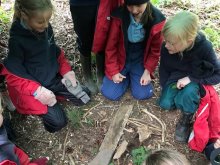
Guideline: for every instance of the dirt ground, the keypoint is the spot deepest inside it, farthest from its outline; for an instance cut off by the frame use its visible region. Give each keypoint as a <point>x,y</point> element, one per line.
<point>82,143</point>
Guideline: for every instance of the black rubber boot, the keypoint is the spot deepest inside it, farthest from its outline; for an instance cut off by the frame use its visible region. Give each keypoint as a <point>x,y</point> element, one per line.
<point>87,74</point>
<point>183,128</point>
<point>100,69</point>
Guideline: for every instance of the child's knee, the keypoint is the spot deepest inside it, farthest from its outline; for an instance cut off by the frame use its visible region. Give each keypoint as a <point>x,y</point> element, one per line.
<point>166,104</point>
<point>55,125</point>
<point>111,95</point>
<point>142,95</point>
<point>59,124</point>
<point>142,92</point>
<point>55,119</point>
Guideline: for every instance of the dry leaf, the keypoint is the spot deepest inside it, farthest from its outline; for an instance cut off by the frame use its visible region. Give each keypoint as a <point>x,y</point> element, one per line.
<point>121,149</point>
<point>144,133</point>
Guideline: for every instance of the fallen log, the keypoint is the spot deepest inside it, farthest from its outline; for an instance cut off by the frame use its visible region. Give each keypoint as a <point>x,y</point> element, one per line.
<point>113,136</point>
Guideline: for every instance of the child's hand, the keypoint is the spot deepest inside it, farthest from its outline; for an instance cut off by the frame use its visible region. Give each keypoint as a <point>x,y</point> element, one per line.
<point>217,144</point>
<point>181,83</point>
<point>45,96</point>
<point>145,78</point>
<point>71,76</point>
<point>117,78</point>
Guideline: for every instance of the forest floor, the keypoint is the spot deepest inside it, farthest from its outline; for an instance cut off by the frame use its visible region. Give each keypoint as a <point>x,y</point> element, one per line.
<point>80,139</point>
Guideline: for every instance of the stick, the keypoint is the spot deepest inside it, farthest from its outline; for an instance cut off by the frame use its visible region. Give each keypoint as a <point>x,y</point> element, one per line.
<point>133,119</point>
<point>64,145</point>
<point>161,123</point>
<point>92,109</point>
<point>138,124</point>
<point>113,136</point>
<point>71,159</point>
<point>38,140</point>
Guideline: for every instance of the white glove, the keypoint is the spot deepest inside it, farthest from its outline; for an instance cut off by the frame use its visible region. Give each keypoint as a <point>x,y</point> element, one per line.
<point>71,76</point>
<point>45,96</point>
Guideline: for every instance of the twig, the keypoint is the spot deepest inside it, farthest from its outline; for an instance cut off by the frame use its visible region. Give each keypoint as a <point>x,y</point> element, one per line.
<point>155,94</point>
<point>64,145</point>
<point>133,119</point>
<point>38,140</point>
<point>118,161</point>
<point>161,123</point>
<point>135,123</point>
<point>155,129</point>
<point>138,105</point>
<point>92,109</point>
<point>71,159</point>
<point>140,124</point>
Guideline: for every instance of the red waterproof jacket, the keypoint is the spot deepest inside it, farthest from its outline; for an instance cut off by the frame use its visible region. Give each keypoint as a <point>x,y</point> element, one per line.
<point>207,120</point>
<point>21,89</point>
<point>103,23</point>
<point>117,39</point>
<point>23,159</point>
<point>12,155</point>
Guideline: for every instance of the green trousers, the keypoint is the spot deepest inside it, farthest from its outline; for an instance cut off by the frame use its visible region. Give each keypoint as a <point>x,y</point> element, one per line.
<point>186,99</point>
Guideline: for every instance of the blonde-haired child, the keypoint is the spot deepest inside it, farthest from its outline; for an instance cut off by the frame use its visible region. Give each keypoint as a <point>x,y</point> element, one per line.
<point>166,157</point>
<point>187,62</point>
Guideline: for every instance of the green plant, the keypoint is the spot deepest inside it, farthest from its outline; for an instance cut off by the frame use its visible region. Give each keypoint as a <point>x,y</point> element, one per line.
<point>75,117</point>
<point>155,2</point>
<point>5,16</point>
<point>139,155</point>
<point>89,121</point>
<point>213,35</point>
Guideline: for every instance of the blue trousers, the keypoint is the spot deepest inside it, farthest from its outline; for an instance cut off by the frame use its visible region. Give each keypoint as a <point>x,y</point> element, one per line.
<point>186,99</point>
<point>114,91</point>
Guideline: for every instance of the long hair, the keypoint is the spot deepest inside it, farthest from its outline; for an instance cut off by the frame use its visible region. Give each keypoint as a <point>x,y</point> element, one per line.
<point>147,15</point>
<point>30,7</point>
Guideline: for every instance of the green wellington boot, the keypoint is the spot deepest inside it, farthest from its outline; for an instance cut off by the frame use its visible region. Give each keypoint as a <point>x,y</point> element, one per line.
<point>183,128</point>
<point>87,74</point>
<point>100,67</point>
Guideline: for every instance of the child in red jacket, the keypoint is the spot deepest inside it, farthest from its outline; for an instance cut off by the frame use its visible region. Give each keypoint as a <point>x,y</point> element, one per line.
<point>35,66</point>
<point>11,154</point>
<point>132,50</point>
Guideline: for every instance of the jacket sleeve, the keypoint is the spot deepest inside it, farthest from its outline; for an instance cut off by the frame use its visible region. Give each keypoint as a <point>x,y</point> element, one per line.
<point>15,71</point>
<point>211,58</point>
<point>25,86</point>
<point>151,62</point>
<point>103,23</point>
<point>112,52</point>
<point>7,162</point>
<point>7,154</point>
<point>63,63</point>
<point>163,73</point>
<point>23,157</point>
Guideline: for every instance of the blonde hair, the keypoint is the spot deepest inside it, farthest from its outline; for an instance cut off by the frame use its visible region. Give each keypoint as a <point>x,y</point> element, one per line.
<point>183,26</point>
<point>30,7</point>
<point>166,156</point>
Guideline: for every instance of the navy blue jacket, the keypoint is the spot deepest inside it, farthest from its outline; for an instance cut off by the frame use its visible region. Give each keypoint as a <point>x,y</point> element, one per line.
<point>200,64</point>
<point>33,55</point>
